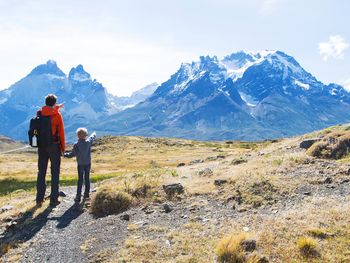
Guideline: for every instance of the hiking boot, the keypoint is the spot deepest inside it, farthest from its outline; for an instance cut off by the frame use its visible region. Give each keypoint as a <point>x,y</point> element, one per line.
<point>54,203</point>
<point>77,199</point>
<point>86,196</point>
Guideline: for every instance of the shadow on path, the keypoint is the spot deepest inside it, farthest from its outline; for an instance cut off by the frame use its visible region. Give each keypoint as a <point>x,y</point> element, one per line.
<point>72,213</point>
<point>25,228</point>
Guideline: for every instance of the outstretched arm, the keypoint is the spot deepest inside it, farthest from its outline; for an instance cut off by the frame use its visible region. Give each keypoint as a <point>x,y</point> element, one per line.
<point>92,137</point>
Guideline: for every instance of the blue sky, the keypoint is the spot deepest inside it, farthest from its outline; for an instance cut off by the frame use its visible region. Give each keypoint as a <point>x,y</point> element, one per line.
<point>128,44</point>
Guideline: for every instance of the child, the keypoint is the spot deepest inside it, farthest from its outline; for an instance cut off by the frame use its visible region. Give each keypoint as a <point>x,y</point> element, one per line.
<point>82,151</point>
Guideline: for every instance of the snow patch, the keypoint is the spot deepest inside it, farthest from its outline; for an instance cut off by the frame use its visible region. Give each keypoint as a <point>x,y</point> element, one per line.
<point>302,85</point>
<point>3,100</point>
<point>53,76</point>
<point>334,92</point>
<point>249,100</point>
<point>81,77</point>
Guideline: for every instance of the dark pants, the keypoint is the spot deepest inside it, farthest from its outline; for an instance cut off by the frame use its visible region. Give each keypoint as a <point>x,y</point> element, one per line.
<point>84,175</point>
<point>52,153</point>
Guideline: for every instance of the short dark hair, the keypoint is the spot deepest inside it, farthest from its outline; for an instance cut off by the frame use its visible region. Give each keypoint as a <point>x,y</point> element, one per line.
<point>50,100</point>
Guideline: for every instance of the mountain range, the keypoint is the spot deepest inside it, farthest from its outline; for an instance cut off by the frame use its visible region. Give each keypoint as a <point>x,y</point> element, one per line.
<point>86,100</point>
<point>245,96</point>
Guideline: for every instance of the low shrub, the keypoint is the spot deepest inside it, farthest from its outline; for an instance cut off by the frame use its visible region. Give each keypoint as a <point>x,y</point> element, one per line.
<point>307,246</point>
<point>109,201</point>
<point>317,233</point>
<point>238,161</point>
<point>229,249</point>
<point>334,145</point>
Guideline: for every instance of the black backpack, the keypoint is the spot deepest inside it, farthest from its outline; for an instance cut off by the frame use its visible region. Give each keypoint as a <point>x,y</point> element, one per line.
<point>40,131</point>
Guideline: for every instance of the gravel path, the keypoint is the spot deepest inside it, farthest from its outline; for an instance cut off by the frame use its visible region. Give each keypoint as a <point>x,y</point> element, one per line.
<point>62,234</point>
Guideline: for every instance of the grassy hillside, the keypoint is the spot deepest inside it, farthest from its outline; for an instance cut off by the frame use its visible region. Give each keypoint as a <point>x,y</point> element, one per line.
<point>294,206</point>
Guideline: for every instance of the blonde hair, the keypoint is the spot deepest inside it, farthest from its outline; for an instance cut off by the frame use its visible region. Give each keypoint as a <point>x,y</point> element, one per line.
<point>82,133</point>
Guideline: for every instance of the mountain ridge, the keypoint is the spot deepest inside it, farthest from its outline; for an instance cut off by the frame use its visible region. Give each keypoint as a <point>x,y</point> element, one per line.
<point>276,99</point>
<point>86,100</point>
<point>244,95</point>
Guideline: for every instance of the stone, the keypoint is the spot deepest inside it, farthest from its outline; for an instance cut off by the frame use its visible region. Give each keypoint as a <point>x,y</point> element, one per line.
<point>230,198</point>
<point>195,161</point>
<point>263,259</point>
<point>219,182</point>
<point>205,172</point>
<point>167,242</point>
<point>11,225</point>
<point>172,189</point>
<point>345,181</point>
<point>6,208</point>
<point>211,158</point>
<point>181,164</point>
<point>125,217</point>
<point>306,144</point>
<point>328,180</point>
<point>220,157</point>
<point>167,208</point>
<point>62,194</point>
<point>246,229</point>
<point>248,245</point>
<point>8,219</point>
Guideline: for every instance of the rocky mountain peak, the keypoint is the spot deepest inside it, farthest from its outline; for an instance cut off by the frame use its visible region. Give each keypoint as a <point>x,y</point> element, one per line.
<point>79,74</point>
<point>49,68</point>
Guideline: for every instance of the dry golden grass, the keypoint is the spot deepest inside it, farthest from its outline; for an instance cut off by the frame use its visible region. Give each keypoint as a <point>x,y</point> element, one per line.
<point>334,145</point>
<point>307,246</point>
<point>86,246</point>
<point>140,166</point>
<point>229,249</point>
<point>108,200</point>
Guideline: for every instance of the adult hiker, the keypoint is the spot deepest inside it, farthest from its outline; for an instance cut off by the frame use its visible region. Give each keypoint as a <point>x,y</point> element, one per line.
<point>51,145</point>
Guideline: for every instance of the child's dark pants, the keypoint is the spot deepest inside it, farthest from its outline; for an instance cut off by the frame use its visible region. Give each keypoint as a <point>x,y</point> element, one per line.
<point>84,175</point>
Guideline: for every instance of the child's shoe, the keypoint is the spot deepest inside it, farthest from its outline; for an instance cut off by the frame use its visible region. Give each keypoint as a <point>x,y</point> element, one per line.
<point>77,198</point>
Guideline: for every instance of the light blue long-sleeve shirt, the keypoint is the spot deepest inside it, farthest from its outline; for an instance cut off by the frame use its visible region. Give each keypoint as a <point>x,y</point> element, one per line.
<point>82,150</point>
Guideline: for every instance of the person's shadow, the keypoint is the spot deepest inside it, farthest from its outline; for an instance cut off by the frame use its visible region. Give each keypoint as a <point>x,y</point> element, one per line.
<point>23,228</point>
<point>72,213</point>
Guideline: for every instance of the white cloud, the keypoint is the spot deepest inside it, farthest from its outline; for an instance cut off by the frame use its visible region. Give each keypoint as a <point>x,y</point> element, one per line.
<point>333,48</point>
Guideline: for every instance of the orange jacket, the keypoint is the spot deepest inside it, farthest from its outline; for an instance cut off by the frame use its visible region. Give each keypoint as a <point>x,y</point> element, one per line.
<point>56,123</point>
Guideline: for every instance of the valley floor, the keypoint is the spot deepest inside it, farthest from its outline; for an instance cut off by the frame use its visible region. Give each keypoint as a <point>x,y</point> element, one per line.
<point>272,191</point>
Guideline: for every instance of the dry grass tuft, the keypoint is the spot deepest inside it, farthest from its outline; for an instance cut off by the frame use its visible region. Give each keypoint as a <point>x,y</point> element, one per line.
<point>335,145</point>
<point>307,246</point>
<point>237,161</point>
<point>318,233</point>
<point>109,201</point>
<point>229,249</point>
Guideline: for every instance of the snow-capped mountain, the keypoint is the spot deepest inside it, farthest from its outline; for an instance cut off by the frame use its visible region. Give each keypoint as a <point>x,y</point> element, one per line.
<point>86,100</point>
<point>246,95</point>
